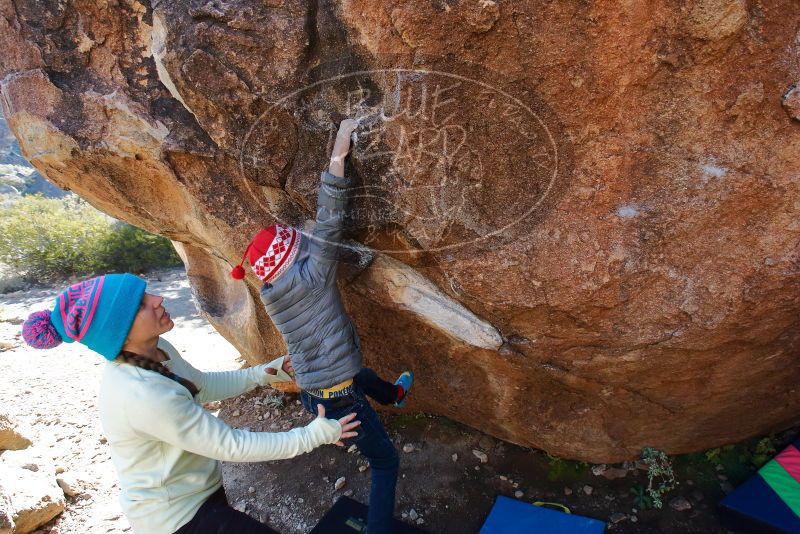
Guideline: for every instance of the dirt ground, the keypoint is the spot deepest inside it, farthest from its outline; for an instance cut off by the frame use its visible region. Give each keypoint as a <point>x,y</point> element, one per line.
<point>444,483</point>
<point>444,487</point>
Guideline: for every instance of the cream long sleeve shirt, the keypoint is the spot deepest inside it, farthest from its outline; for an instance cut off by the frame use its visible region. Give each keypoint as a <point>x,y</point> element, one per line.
<point>166,447</point>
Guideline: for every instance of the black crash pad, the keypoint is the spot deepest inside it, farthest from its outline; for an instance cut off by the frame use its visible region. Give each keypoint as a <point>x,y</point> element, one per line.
<point>348,516</point>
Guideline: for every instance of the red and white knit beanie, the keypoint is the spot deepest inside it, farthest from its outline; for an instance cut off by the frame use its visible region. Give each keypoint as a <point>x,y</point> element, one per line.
<point>271,252</point>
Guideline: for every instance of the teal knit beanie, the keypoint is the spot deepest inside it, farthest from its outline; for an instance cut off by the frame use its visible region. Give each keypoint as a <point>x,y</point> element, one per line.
<point>97,312</point>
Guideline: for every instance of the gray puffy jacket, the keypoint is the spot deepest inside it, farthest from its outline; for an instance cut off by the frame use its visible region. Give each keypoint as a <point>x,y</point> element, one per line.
<point>304,301</point>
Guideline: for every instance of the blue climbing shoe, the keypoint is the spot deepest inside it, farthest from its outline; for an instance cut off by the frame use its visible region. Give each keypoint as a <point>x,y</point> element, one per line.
<point>404,380</point>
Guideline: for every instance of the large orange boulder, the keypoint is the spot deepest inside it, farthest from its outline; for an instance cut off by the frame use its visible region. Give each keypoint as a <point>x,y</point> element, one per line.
<point>578,223</point>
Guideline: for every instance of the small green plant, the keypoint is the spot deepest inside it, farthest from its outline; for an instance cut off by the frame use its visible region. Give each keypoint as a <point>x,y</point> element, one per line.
<point>742,458</point>
<point>713,456</point>
<point>405,421</point>
<point>763,452</point>
<point>273,402</point>
<point>641,499</point>
<point>660,476</point>
<point>561,469</point>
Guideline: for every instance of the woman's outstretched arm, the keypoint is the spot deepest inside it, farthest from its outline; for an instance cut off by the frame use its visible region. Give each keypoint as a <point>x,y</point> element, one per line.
<point>221,385</point>
<point>163,412</point>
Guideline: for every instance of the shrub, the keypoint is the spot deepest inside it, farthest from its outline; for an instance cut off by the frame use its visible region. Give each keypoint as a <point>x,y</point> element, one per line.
<point>131,249</point>
<point>739,460</point>
<point>49,239</point>
<point>660,477</point>
<point>641,498</point>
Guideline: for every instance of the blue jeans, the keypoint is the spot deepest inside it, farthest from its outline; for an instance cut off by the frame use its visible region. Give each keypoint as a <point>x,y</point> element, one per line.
<point>375,387</point>
<point>374,443</point>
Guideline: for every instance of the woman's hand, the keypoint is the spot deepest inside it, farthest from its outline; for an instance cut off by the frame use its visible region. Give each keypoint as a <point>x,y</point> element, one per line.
<point>345,422</point>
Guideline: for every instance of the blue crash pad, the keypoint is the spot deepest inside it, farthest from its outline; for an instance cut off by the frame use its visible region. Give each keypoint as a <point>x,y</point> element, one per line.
<point>510,516</point>
<point>755,507</point>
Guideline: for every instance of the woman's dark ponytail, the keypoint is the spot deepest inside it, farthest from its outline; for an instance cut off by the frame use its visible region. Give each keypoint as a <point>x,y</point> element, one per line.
<point>146,363</point>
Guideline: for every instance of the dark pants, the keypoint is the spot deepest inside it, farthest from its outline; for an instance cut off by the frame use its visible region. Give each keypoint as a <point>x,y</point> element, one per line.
<point>374,386</point>
<point>374,443</point>
<point>215,516</point>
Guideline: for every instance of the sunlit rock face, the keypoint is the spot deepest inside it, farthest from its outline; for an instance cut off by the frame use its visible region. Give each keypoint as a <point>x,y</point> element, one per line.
<point>578,224</point>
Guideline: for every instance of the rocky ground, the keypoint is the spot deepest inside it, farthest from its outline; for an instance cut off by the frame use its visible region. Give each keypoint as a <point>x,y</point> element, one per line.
<point>450,473</point>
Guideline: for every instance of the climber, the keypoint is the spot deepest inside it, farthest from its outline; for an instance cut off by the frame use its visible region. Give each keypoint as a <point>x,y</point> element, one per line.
<point>300,294</point>
<point>165,447</point>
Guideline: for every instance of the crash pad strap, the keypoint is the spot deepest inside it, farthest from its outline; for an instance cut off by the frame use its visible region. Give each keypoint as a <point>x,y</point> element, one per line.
<point>789,459</point>
<point>787,488</point>
<point>558,505</point>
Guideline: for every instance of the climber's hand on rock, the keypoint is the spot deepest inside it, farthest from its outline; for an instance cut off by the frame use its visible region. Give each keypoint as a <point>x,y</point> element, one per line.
<point>346,128</point>
<point>342,145</point>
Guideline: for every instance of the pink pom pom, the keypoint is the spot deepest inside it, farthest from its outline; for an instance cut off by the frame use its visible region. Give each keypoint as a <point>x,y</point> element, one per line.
<point>39,332</point>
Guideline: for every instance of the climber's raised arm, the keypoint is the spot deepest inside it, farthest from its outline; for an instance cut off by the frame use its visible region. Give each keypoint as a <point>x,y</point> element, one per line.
<point>341,146</point>
<point>334,191</point>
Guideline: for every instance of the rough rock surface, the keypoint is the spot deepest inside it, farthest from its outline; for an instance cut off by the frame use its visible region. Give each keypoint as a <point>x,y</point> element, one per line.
<point>6,512</point>
<point>74,484</point>
<point>586,217</point>
<point>791,101</point>
<point>30,479</point>
<point>12,436</point>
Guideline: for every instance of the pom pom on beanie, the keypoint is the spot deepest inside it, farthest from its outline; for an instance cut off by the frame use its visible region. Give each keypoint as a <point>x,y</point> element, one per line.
<point>237,273</point>
<point>39,332</point>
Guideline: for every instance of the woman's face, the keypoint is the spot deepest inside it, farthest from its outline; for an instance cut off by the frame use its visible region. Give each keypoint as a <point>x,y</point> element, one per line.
<point>151,320</point>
